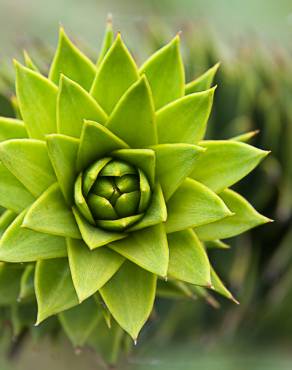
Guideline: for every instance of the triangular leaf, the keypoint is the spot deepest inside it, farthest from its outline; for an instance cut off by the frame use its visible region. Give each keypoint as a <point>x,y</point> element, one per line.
<point>6,218</point>
<point>174,162</point>
<point>79,322</point>
<point>165,73</point>
<point>202,82</point>
<point>74,105</point>
<point>13,195</point>
<point>51,215</point>
<point>233,159</point>
<point>140,158</point>
<point>29,62</point>
<point>133,117</point>
<point>107,41</point>
<point>19,244</point>
<point>69,61</point>
<point>56,293</point>
<point>147,248</point>
<point>247,136</point>
<point>117,70</point>
<point>155,213</point>
<point>96,142</point>
<point>129,296</point>
<point>11,128</point>
<point>219,287</point>
<point>188,260</point>
<point>37,98</point>
<point>184,120</point>
<point>62,152</point>
<point>93,236</point>
<point>28,160</point>
<point>215,244</point>
<point>90,270</point>
<point>245,217</point>
<point>193,204</point>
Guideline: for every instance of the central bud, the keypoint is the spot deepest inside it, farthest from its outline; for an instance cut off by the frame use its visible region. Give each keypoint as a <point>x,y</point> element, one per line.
<point>112,194</point>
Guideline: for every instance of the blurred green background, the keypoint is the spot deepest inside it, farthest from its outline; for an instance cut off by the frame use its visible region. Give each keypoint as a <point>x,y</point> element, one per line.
<point>252,39</point>
<point>24,20</point>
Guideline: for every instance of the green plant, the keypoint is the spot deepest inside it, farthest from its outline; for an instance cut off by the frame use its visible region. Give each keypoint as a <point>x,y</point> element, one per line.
<point>111,194</point>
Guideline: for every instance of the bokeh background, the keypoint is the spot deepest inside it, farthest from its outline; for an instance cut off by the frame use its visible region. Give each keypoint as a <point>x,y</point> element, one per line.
<point>252,40</point>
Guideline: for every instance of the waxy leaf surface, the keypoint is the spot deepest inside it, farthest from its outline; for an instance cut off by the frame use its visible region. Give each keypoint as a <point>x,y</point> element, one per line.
<point>225,162</point>
<point>129,296</point>
<point>133,118</point>
<point>165,73</point>
<point>28,160</point>
<point>90,270</point>
<point>245,217</point>
<point>37,98</point>
<point>51,215</point>
<point>147,248</point>
<point>193,204</point>
<point>117,70</point>
<point>74,105</point>
<point>57,293</point>
<point>71,62</point>
<point>185,120</point>
<point>188,260</point>
<point>19,244</point>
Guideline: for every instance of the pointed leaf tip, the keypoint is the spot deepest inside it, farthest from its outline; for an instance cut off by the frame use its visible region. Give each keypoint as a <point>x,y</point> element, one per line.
<point>203,82</point>
<point>191,111</point>
<point>129,296</point>
<point>165,72</point>
<point>117,69</point>
<point>133,118</point>
<point>31,86</point>
<point>69,60</point>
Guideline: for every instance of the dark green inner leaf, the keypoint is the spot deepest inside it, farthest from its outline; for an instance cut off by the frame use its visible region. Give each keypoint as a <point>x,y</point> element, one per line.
<point>112,194</point>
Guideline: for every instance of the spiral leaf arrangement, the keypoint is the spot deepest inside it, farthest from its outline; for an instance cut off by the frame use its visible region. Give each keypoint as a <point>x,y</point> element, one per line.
<point>111,194</point>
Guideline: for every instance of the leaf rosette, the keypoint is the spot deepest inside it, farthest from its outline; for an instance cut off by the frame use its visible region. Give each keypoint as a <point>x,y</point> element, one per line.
<point>110,188</point>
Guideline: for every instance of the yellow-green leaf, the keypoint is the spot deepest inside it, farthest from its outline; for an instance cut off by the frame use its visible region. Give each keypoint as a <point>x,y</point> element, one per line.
<point>147,248</point>
<point>107,41</point>
<point>51,215</point>
<point>165,73</point>
<point>96,142</point>
<point>19,244</point>
<point>174,162</point>
<point>90,270</point>
<point>133,118</point>
<point>11,128</point>
<point>56,293</point>
<point>188,260</point>
<point>94,236</point>
<point>225,162</point>
<point>13,195</point>
<point>71,62</point>
<point>74,105</point>
<point>185,120</point>
<point>29,162</point>
<point>62,152</point>
<point>202,82</point>
<point>117,70</point>
<point>245,217</point>
<point>193,204</point>
<point>129,296</point>
<point>37,97</point>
